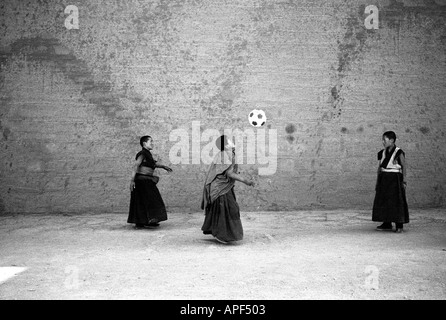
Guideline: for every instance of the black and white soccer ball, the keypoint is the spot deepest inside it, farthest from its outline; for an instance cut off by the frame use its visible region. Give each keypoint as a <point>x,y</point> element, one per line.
<point>257,118</point>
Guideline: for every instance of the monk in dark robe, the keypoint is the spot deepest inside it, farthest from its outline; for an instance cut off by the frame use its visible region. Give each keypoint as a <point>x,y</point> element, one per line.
<point>147,207</point>
<point>390,204</point>
<point>222,213</point>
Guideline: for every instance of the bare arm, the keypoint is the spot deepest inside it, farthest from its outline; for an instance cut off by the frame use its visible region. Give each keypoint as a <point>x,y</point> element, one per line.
<point>233,175</point>
<point>162,166</point>
<point>240,178</point>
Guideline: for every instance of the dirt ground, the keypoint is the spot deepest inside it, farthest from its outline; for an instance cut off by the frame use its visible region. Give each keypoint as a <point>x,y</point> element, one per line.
<point>284,255</point>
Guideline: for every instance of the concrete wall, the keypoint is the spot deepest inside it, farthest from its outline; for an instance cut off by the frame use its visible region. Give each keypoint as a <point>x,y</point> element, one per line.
<point>74,102</point>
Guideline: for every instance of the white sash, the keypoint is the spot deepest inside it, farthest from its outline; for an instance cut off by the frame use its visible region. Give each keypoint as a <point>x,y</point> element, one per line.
<point>393,165</point>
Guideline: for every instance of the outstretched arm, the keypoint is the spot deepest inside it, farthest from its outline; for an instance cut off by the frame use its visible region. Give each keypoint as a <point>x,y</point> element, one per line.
<point>240,178</point>
<point>162,166</point>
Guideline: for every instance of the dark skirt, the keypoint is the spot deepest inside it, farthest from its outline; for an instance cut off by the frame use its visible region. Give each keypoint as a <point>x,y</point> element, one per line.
<point>222,218</point>
<point>146,202</point>
<point>390,204</point>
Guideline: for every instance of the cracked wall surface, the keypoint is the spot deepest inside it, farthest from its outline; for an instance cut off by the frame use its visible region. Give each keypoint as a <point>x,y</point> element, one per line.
<point>73,103</point>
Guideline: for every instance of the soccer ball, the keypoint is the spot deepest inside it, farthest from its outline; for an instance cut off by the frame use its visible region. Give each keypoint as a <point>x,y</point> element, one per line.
<point>257,118</point>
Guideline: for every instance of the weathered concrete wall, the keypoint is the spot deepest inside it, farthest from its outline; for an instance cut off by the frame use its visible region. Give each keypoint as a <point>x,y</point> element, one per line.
<point>74,102</point>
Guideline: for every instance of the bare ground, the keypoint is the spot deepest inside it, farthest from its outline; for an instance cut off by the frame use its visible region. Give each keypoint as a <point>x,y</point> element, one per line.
<point>284,255</point>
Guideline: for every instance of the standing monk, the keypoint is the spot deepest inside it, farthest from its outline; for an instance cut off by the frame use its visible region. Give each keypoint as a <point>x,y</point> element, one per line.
<point>146,204</point>
<point>222,213</point>
<point>390,204</point>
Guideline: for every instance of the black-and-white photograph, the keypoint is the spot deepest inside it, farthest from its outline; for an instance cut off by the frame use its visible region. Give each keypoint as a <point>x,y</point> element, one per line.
<point>229,152</point>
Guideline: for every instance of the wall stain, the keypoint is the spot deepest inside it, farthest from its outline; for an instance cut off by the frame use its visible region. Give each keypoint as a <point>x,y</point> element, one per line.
<point>424,130</point>
<point>353,42</point>
<point>392,15</point>
<point>335,93</point>
<point>2,206</point>
<point>98,93</point>
<point>319,146</point>
<point>66,182</point>
<point>336,101</point>
<point>49,54</point>
<point>351,46</point>
<point>290,128</point>
<point>396,15</point>
<point>6,132</point>
<point>227,82</point>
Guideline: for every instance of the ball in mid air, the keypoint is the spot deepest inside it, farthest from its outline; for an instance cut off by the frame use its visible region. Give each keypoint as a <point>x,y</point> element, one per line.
<point>257,118</point>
